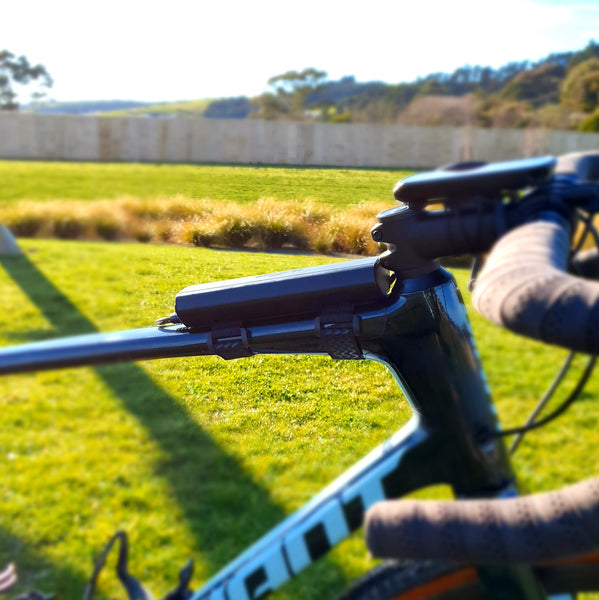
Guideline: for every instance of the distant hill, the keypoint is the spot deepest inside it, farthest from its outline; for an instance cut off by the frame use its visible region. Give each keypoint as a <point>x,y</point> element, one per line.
<point>125,108</point>
<point>186,108</point>
<point>86,107</point>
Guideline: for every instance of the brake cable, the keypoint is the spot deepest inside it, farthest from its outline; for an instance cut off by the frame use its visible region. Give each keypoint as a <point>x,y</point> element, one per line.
<point>532,422</point>
<point>558,411</point>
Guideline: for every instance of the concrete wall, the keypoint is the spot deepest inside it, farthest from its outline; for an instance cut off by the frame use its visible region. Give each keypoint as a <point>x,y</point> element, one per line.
<point>186,140</point>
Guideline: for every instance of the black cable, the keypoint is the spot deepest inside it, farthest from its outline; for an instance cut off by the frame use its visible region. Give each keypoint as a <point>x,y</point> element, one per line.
<point>172,319</point>
<point>543,401</point>
<point>560,409</point>
<point>477,263</point>
<point>531,423</point>
<point>99,565</point>
<point>135,591</point>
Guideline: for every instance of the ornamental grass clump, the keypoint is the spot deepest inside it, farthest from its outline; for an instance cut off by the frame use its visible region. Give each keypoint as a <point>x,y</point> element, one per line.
<point>196,233</point>
<point>349,232</point>
<point>25,219</point>
<point>264,225</point>
<point>278,224</point>
<point>66,220</point>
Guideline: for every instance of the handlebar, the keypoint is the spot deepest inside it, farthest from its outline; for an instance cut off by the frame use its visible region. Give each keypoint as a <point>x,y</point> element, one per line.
<point>530,529</point>
<point>525,287</point>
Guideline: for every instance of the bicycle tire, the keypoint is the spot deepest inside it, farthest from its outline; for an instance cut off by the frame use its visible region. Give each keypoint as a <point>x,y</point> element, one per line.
<point>402,580</point>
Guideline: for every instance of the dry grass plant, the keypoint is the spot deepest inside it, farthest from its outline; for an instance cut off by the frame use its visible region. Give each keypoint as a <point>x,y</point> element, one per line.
<point>265,225</point>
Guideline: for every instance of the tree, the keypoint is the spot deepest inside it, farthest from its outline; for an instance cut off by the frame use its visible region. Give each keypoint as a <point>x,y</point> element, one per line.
<point>580,88</point>
<point>590,51</point>
<point>591,123</point>
<point>270,107</point>
<point>229,108</point>
<point>292,81</point>
<point>293,87</point>
<point>538,86</point>
<point>18,70</point>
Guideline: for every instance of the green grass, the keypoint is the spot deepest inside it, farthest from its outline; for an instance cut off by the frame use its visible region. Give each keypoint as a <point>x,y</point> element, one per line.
<point>340,188</point>
<point>198,457</point>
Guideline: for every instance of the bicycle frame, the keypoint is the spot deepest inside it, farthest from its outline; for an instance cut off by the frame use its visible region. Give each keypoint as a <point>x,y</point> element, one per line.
<point>420,331</point>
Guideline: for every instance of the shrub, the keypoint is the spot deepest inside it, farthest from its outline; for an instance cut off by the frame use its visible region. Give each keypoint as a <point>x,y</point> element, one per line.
<point>164,231</point>
<point>275,224</point>
<point>580,87</point>
<point>108,229</point>
<point>352,238</point>
<point>350,231</point>
<point>196,233</point>
<point>233,230</point>
<point>553,116</point>
<point>322,242</point>
<point>512,115</point>
<point>342,117</point>
<point>591,123</point>
<point>182,208</point>
<point>24,222</point>
<point>68,227</point>
<point>141,233</point>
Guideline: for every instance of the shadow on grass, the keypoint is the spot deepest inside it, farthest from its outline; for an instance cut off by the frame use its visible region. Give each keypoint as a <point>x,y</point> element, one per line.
<point>211,488</point>
<point>33,570</point>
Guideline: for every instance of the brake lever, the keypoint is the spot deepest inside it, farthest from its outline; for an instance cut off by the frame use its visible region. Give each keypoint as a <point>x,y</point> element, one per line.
<point>182,591</point>
<point>134,589</point>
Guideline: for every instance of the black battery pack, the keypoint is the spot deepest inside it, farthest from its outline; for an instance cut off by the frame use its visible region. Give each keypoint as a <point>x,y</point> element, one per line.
<point>285,295</point>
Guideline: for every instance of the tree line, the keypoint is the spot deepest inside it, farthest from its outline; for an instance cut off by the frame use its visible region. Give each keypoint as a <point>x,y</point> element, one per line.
<point>561,91</point>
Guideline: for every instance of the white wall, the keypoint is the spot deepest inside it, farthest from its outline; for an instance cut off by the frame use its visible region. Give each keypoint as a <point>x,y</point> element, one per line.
<point>187,140</point>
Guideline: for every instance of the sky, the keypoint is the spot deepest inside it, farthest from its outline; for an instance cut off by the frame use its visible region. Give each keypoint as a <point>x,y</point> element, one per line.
<point>188,49</point>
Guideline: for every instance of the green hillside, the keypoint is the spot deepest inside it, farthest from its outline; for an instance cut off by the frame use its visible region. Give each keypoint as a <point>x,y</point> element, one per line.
<point>186,108</point>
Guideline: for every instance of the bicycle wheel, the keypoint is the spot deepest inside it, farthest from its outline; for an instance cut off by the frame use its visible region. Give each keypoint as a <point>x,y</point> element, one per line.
<point>401,580</point>
<point>398,580</point>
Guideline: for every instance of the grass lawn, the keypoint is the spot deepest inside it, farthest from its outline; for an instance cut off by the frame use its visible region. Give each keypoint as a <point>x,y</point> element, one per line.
<point>341,188</point>
<point>198,457</point>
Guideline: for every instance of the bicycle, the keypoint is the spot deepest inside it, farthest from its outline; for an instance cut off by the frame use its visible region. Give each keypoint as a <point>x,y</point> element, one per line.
<point>403,310</point>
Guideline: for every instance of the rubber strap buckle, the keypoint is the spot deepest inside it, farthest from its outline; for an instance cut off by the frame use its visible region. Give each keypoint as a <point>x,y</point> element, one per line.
<point>229,340</point>
<point>338,328</point>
